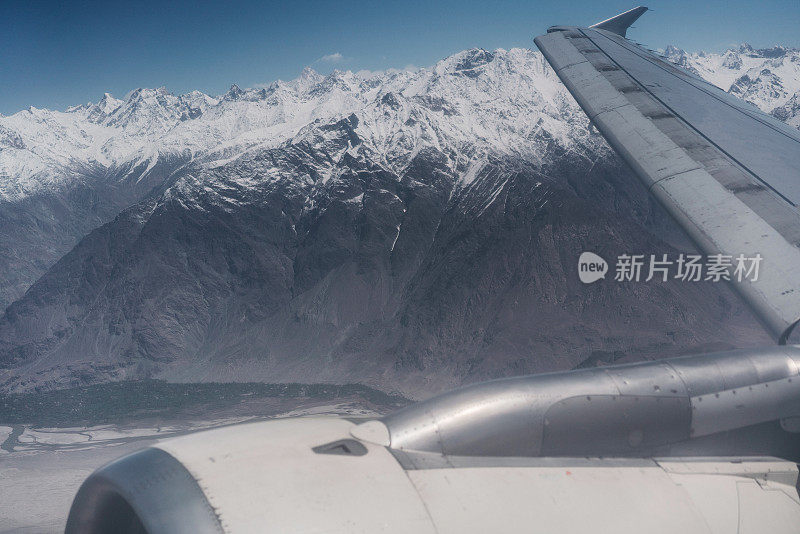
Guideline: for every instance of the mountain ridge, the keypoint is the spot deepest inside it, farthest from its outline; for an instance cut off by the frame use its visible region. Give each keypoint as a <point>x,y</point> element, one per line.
<point>408,230</point>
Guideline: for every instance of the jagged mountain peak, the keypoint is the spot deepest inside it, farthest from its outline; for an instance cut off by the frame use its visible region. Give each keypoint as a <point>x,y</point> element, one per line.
<point>474,98</point>
<point>234,93</point>
<point>673,53</point>
<point>307,79</point>
<point>766,77</point>
<point>745,48</point>
<point>200,100</point>
<point>732,60</point>
<point>104,107</point>
<point>109,103</point>
<point>115,132</point>
<point>473,59</point>
<point>309,73</point>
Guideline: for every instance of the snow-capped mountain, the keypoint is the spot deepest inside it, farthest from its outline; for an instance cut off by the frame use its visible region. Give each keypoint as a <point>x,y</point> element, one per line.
<point>425,106</point>
<point>768,78</point>
<point>516,96</point>
<point>412,230</point>
<point>65,173</point>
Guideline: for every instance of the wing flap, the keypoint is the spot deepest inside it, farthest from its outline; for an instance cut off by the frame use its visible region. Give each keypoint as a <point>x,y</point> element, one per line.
<point>729,174</point>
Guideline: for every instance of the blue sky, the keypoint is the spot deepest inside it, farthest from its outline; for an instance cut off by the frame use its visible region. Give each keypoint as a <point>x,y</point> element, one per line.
<point>57,54</point>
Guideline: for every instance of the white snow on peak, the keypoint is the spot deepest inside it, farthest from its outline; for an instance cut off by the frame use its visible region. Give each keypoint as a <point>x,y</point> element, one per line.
<point>470,105</point>
<point>768,77</point>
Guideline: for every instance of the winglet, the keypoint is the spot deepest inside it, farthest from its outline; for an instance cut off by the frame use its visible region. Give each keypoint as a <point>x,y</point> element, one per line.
<point>621,22</point>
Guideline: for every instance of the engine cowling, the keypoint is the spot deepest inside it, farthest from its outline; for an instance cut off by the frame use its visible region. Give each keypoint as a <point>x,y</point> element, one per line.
<point>708,438</point>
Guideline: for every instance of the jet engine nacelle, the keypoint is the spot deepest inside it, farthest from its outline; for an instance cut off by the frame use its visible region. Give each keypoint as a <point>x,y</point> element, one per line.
<point>514,455</point>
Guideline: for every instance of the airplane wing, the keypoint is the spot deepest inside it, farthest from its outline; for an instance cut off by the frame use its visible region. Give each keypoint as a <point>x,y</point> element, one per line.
<point>728,173</point>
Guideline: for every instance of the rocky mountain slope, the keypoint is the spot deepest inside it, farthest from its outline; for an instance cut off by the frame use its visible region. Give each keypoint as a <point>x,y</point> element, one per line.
<point>410,230</point>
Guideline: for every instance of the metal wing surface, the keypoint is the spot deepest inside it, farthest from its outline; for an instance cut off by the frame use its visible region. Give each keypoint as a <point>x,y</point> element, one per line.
<point>728,173</point>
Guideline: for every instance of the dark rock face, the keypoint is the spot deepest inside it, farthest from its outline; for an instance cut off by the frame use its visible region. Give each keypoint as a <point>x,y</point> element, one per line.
<point>37,230</point>
<point>790,111</point>
<point>311,263</point>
